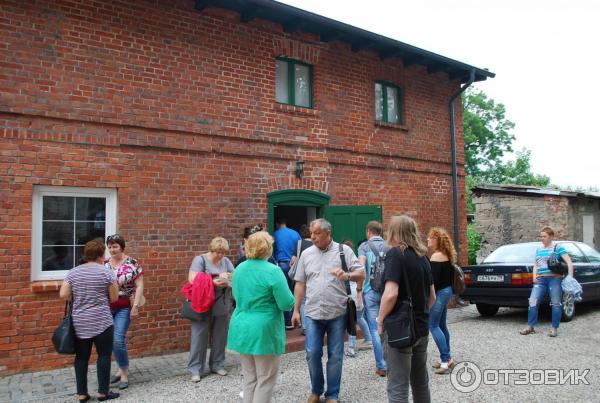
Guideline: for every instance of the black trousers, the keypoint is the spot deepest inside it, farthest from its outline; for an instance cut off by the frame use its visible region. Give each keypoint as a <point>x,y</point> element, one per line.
<point>83,351</point>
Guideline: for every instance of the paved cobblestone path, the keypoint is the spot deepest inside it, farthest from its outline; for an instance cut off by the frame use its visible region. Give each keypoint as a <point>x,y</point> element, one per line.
<point>489,343</point>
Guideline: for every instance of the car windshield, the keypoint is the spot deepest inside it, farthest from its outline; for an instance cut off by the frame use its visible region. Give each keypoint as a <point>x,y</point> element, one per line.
<point>517,253</point>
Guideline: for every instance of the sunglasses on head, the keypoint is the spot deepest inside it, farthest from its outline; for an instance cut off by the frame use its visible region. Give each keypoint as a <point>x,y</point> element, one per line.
<point>112,238</point>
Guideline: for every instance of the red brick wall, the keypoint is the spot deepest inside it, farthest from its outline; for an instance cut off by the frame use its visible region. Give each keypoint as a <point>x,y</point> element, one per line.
<point>175,109</point>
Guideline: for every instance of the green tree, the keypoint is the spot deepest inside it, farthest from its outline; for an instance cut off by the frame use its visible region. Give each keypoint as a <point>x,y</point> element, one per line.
<point>517,172</point>
<point>487,133</point>
<point>488,141</point>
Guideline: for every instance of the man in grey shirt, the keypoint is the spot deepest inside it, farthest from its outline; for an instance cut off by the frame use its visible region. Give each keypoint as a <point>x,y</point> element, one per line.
<point>319,275</point>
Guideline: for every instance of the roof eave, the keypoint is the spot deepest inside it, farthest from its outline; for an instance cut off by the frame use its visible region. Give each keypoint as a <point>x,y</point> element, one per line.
<point>294,19</point>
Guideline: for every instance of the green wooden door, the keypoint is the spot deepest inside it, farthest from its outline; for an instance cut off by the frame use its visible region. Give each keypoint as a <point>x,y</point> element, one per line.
<point>349,222</point>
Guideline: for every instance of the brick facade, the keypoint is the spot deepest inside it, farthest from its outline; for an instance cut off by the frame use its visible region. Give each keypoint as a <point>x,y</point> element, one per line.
<point>175,109</point>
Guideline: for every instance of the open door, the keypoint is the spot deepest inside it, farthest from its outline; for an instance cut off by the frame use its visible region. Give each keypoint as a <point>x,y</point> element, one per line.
<point>298,206</point>
<point>349,222</point>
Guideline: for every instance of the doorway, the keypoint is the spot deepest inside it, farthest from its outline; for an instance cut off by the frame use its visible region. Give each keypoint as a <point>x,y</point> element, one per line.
<point>298,206</point>
<point>295,216</point>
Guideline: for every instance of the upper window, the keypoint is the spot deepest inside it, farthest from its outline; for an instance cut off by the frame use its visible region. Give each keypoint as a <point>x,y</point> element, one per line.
<point>64,219</point>
<point>293,83</point>
<point>388,103</point>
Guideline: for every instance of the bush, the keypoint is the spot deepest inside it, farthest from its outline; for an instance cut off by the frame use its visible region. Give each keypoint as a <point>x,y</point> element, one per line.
<point>473,243</point>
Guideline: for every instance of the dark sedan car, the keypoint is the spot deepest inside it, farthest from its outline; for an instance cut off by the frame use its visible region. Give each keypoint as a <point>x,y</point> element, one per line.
<point>505,277</point>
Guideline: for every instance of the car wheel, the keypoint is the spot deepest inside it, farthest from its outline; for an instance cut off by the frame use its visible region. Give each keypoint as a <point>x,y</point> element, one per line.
<point>568,307</point>
<point>487,310</point>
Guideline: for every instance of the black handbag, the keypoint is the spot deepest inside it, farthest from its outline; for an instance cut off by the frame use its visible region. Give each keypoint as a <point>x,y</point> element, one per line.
<point>350,304</point>
<point>188,313</point>
<point>400,324</point>
<point>555,263</point>
<point>63,337</point>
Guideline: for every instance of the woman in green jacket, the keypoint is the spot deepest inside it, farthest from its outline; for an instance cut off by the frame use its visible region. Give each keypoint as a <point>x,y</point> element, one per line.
<point>257,329</point>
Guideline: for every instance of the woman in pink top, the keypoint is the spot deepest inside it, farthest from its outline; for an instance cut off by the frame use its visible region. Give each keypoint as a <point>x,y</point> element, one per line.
<point>131,286</point>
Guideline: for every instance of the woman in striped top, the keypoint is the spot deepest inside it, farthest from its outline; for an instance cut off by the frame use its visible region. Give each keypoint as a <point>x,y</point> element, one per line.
<point>90,286</point>
<point>545,280</point>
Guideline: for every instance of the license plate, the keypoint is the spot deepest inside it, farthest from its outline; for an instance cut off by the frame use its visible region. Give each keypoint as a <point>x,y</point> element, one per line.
<point>490,278</point>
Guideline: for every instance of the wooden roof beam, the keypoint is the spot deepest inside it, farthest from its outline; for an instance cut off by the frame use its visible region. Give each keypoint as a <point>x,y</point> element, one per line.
<point>200,5</point>
<point>435,68</point>
<point>250,14</point>
<point>292,25</point>
<point>360,45</point>
<point>329,36</point>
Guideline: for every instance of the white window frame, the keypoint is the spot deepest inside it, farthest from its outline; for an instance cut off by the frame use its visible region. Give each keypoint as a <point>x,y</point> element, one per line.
<point>36,228</point>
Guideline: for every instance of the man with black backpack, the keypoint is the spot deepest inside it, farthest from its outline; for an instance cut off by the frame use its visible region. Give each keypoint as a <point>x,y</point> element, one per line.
<point>371,255</point>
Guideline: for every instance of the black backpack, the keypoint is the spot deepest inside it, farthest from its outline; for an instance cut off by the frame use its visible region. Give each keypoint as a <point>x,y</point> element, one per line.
<point>377,269</point>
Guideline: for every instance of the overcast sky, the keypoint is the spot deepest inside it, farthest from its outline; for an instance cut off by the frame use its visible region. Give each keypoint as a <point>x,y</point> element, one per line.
<point>546,56</point>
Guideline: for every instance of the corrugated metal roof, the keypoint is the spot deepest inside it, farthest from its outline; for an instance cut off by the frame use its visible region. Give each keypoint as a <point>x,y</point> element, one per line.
<point>532,191</point>
<point>295,19</point>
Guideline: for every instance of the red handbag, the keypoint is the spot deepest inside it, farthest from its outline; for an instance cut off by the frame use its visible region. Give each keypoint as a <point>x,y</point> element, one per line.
<point>121,303</point>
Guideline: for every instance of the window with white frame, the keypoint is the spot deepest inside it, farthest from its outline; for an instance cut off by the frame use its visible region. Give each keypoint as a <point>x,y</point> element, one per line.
<point>64,219</point>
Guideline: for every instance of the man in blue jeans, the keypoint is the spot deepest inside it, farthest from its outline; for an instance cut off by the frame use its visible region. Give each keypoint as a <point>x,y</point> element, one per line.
<point>371,297</point>
<point>284,248</point>
<point>319,275</point>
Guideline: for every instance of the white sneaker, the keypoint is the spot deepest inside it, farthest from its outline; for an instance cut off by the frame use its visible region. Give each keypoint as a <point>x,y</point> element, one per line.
<point>195,378</point>
<point>350,352</point>
<point>242,394</point>
<point>221,372</point>
<point>365,345</point>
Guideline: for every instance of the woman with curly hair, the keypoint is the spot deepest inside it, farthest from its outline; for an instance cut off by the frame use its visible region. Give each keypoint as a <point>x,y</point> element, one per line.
<point>442,262</point>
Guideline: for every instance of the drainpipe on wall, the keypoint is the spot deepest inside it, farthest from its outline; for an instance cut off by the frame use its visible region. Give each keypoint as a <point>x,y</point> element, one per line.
<point>454,165</point>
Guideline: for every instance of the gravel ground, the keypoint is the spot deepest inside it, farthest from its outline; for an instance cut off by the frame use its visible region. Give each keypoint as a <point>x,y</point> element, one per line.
<point>490,343</point>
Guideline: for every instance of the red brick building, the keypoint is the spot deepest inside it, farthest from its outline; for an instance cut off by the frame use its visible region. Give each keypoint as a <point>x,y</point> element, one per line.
<point>174,122</point>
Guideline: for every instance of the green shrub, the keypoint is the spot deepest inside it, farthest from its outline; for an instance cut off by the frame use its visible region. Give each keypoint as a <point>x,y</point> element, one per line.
<point>473,243</point>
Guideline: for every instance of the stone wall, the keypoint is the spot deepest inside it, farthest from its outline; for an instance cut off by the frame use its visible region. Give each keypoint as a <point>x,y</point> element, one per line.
<point>578,207</point>
<point>505,218</point>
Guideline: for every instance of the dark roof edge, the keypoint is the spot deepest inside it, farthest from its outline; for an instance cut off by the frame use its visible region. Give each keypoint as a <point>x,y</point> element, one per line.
<point>321,24</point>
<point>374,35</point>
<point>532,191</point>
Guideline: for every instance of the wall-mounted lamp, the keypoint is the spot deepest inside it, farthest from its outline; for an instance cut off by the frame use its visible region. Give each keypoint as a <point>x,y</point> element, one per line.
<point>299,168</point>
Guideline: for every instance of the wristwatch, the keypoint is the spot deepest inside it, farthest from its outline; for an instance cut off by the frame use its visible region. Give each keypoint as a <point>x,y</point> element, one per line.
<point>136,305</point>
<point>347,276</point>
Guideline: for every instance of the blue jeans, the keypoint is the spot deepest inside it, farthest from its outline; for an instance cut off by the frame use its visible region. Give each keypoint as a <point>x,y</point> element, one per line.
<point>438,325</point>
<point>550,284</point>
<point>372,300</point>
<point>362,323</point>
<point>302,319</point>
<point>313,344</point>
<point>121,320</point>
<point>285,267</point>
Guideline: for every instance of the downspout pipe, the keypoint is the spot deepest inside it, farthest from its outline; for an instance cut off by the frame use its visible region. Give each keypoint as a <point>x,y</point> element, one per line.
<point>454,164</point>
